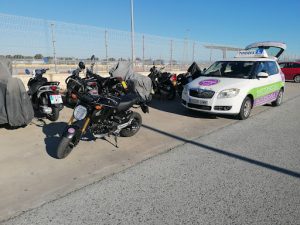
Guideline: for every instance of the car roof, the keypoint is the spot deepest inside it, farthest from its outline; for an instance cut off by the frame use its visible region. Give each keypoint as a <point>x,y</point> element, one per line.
<point>290,62</point>
<point>250,59</point>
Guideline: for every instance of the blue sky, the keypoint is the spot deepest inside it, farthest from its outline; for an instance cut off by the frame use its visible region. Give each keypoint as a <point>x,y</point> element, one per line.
<point>229,22</point>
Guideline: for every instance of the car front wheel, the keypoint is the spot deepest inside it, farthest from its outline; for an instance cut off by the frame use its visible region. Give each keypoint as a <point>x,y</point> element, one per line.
<point>246,108</point>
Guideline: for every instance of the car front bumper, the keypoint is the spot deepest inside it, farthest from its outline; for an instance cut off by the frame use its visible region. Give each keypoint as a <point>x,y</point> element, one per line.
<point>213,105</point>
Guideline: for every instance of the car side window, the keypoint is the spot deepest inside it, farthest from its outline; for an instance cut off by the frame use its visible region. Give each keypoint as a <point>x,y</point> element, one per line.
<point>272,68</point>
<point>296,65</point>
<point>261,67</point>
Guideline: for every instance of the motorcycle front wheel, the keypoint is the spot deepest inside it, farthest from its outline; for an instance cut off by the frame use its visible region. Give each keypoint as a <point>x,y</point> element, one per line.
<point>64,148</point>
<point>134,127</point>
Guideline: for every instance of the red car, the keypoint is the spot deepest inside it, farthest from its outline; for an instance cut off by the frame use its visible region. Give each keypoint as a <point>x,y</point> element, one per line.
<point>291,70</point>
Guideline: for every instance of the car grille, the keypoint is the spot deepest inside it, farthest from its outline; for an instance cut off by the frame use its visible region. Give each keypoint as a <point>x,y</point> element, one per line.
<point>203,107</point>
<point>201,93</point>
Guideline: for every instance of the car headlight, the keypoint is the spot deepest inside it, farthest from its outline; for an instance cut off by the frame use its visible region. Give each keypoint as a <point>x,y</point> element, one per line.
<point>185,90</point>
<point>80,112</point>
<point>229,93</point>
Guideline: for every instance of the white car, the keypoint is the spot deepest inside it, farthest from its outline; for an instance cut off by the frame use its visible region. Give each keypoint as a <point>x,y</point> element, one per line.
<point>235,86</point>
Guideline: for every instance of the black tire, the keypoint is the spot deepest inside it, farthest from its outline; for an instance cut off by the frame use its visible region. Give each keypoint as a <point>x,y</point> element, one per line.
<point>172,93</point>
<point>69,101</point>
<point>64,148</point>
<point>279,98</point>
<point>245,110</point>
<point>297,79</point>
<point>179,91</point>
<point>54,115</point>
<point>134,127</point>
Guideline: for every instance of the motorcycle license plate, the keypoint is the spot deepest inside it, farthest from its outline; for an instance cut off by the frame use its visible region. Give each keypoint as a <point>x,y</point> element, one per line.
<point>56,99</point>
<point>198,101</point>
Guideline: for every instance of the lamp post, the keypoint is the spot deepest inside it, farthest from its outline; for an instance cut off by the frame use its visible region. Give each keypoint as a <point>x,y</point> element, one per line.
<point>53,45</point>
<point>132,35</point>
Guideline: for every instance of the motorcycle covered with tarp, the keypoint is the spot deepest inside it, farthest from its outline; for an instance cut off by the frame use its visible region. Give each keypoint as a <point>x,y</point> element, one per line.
<point>137,83</point>
<point>15,105</point>
<point>193,72</point>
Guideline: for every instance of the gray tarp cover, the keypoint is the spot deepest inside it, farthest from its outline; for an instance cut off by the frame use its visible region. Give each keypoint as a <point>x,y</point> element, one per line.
<point>140,84</point>
<point>15,106</point>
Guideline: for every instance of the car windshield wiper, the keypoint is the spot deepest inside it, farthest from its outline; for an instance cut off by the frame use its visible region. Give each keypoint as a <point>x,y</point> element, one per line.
<point>212,75</point>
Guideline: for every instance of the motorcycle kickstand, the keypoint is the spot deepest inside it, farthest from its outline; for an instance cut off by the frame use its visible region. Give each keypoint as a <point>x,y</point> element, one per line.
<point>115,138</point>
<point>116,141</point>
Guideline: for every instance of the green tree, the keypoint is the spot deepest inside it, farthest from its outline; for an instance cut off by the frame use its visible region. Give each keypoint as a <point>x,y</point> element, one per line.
<point>38,56</point>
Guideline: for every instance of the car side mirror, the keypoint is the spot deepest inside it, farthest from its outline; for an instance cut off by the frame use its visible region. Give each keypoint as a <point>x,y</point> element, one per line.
<point>262,75</point>
<point>204,69</point>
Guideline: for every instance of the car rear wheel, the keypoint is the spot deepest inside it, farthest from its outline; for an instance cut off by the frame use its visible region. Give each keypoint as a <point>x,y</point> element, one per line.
<point>246,108</point>
<point>297,79</point>
<point>279,98</point>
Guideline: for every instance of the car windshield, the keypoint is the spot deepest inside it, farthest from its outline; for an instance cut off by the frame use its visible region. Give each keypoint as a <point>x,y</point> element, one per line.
<point>231,69</point>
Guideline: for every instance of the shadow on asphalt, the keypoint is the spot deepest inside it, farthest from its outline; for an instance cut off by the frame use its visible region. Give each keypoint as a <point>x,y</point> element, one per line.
<point>53,132</point>
<point>228,154</point>
<point>8,127</point>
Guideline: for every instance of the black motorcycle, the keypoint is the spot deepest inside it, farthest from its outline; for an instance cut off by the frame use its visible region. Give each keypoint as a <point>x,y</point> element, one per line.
<point>164,83</point>
<point>102,115</point>
<point>94,84</point>
<point>192,73</point>
<point>44,95</point>
<point>74,85</point>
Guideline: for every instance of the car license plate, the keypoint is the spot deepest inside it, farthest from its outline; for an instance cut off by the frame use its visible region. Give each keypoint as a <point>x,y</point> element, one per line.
<point>56,99</point>
<point>198,101</point>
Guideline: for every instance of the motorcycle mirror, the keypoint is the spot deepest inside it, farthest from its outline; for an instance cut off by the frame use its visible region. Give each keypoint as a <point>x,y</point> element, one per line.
<point>27,71</point>
<point>81,65</point>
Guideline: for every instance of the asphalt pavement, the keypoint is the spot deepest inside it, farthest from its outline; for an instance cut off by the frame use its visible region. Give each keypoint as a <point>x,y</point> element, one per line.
<point>244,173</point>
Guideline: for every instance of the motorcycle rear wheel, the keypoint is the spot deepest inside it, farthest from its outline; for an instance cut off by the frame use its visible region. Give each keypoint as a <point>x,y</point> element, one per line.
<point>134,127</point>
<point>69,101</point>
<point>54,115</point>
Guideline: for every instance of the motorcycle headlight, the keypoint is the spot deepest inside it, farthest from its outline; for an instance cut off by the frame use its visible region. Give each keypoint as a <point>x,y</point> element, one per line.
<point>229,93</point>
<point>80,112</point>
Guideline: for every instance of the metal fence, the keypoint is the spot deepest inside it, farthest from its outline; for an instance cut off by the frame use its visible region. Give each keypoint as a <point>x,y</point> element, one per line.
<point>31,42</point>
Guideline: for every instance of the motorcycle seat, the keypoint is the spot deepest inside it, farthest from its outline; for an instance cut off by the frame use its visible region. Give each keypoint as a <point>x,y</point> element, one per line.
<point>127,101</point>
<point>35,84</point>
<point>52,83</point>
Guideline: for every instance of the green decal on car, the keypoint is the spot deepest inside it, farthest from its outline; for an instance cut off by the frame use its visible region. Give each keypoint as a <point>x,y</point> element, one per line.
<point>266,90</point>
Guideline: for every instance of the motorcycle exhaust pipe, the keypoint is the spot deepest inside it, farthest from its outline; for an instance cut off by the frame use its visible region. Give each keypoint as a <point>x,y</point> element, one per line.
<point>46,110</point>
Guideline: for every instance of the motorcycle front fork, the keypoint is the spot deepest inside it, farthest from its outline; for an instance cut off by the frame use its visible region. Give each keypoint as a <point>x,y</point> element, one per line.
<point>85,125</point>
